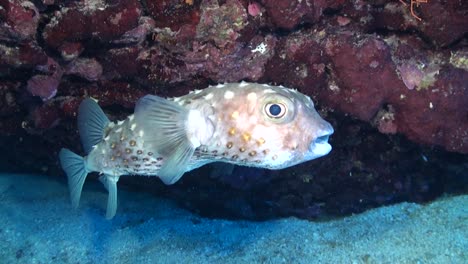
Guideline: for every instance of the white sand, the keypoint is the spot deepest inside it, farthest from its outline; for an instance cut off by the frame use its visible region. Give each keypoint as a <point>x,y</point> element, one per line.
<point>38,225</point>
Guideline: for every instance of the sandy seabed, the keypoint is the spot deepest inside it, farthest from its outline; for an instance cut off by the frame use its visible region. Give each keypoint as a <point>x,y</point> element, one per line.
<point>38,225</point>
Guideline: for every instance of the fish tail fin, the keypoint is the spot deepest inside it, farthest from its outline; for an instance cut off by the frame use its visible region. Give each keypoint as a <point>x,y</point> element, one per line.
<point>110,182</point>
<point>91,124</point>
<point>75,168</point>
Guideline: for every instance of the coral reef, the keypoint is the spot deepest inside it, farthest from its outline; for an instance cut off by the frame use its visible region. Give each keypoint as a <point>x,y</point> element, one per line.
<point>395,88</point>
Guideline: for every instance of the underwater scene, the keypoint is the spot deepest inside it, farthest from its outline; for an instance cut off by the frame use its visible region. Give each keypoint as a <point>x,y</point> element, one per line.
<point>233,131</point>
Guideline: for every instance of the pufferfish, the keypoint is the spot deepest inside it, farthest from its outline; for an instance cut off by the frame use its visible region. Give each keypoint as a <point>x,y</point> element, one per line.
<point>243,123</point>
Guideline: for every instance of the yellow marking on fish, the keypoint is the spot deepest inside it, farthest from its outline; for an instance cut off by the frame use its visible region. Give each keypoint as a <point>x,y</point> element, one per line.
<point>132,143</point>
<point>260,141</point>
<point>113,145</point>
<point>235,115</point>
<point>252,153</point>
<point>229,145</point>
<point>246,137</point>
<point>232,131</point>
<point>241,149</point>
<point>128,151</point>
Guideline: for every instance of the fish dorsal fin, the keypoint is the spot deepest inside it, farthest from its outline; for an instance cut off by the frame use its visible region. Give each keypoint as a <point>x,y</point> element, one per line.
<point>91,124</point>
<point>163,123</point>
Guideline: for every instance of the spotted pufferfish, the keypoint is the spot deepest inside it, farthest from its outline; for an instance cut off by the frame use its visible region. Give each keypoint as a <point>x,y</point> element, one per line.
<point>243,123</point>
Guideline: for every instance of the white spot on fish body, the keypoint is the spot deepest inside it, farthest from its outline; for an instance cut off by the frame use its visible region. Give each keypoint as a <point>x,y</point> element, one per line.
<point>208,96</point>
<point>119,123</point>
<point>133,126</point>
<point>243,84</point>
<point>220,85</point>
<point>228,95</point>
<point>141,133</point>
<point>197,91</point>
<point>118,130</point>
<point>266,91</point>
<point>131,117</point>
<point>252,96</point>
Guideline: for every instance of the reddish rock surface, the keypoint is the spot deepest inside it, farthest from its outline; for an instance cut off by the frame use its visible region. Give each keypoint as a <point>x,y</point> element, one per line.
<point>18,20</point>
<point>442,23</point>
<point>23,56</point>
<point>174,14</point>
<point>85,21</point>
<point>381,76</point>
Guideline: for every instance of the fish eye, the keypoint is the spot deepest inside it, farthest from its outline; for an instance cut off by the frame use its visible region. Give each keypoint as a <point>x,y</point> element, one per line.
<point>275,110</point>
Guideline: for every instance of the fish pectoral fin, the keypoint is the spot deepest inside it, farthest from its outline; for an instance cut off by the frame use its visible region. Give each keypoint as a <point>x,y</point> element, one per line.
<point>75,168</point>
<point>163,126</point>
<point>176,165</point>
<point>91,124</point>
<point>110,182</point>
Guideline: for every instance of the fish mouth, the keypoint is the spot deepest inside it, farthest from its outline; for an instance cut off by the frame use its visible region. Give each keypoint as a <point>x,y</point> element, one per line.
<point>320,149</point>
<point>320,146</point>
<point>322,139</point>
